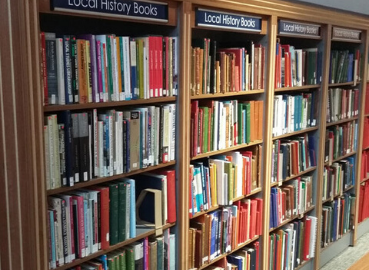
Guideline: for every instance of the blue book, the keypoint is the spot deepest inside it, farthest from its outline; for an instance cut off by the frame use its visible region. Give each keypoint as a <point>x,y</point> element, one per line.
<point>133,64</point>
<point>103,53</point>
<point>199,194</point>
<point>52,236</point>
<point>350,70</point>
<point>200,166</point>
<point>86,220</point>
<point>132,226</point>
<point>103,260</point>
<point>235,260</point>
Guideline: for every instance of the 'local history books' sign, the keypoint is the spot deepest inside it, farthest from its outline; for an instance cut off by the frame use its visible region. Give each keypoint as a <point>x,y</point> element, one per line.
<point>342,33</point>
<point>300,29</point>
<point>153,11</point>
<point>211,18</point>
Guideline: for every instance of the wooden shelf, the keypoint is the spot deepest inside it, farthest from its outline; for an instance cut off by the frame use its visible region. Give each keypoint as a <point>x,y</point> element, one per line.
<point>341,157</point>
<point>366,115</point>
<point>226,150</point>
<point>331,243</point>
<point>337,195</point>
<point>101,180</point>
<point>228,94</point>
<point>226,254</point>
<point>366,148</point>
<point>294,176</point>
<point>342,121</point>
<point>295,133</point>
<point>340,84</point>
<point>291,219</point>
<point>56,108</point>
<point>146,232</point>
<point>295,88</point>
<point>256,191</point>
<point>364,180</point>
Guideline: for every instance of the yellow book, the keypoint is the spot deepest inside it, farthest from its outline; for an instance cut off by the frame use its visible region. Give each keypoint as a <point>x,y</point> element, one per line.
<point>88,71</point>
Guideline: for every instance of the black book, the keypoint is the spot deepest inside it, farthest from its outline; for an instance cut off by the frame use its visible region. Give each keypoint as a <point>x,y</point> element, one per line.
<point>125,143</point>
<point>51,70</point>
<point>63,169</point>
<point>76,148</point>
<point>67,69</point>
<point>74,68</point>
<point>213,55</point>
<point>84,163</point>
<point>65,118</point>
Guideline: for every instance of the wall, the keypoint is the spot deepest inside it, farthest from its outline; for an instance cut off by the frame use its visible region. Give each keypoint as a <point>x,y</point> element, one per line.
<point>358,6</point>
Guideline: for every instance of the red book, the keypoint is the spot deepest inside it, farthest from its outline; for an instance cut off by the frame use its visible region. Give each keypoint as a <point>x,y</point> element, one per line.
<point>256,247</point>
<point>201,128</point>
<point>159,45</point>
<point>44,68</point>
<point>171,194</point>
<point>253,220</point>
<point>367,99</point>
<point>283,194</point>
<point>104,215</point>
<point>260,220</point>
<point>306,253</point>
<point>248,155</point>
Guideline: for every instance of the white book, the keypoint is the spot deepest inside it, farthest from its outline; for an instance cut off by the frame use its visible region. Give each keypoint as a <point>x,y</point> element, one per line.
<point>101,169</point>
<point>173,133</point>
<point>252,66</point>
<point>172,252</point>
<point>216,125</point>
<point>237,160</point>
<point>313,235</point>
<point>299,67</point>
<point>55,132</point>
<point>111,145</point>
<point>119,142</point>
<point>60,71</point>
<point>157,132</point>
<point>47,157</point>
<point>114,68</point>
<point>127,69</point>
<point>96,143</point>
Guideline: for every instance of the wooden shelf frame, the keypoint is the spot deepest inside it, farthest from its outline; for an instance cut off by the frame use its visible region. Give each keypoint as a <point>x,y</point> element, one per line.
<point>331,199</point>
<point>228,94</point>
<point>340,158</point>
<point>341,84</point>
<point>342,121</point>
<point>297,88</point>
<point>302,131</point>
<point>308,170</point>
<point>111,104</point>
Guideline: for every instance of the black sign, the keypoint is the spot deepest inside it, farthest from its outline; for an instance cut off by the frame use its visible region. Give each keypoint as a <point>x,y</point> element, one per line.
<point>152,11</point>
<point>223,20</point>
<point>342,33</point>
<point>300,29</point>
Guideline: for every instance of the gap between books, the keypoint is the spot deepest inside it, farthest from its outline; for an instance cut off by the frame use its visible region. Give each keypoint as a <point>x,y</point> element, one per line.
<point>293,176</point>
<point>226,254</point>
<point>255,191</point>
<point>293,218</point>
<point>305,130</point>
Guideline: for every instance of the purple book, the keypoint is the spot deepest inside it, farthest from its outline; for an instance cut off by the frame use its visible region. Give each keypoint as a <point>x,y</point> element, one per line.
<point>95,91</point>
<point>99,71</point>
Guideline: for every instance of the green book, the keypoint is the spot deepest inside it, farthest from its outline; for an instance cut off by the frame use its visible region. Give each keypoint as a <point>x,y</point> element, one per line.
<point>160,254</point>
<point>205,129</point>
<point>113,213</point>
<point>123,260</point>
<point>240,124</point>
<point>109,46</point>
<point>121,211</point>
<point>111,262</point>
<point>248,122</point>
<point>301,240</point>
<point>130,258</point>
<point>212,130</point>
<point>228,171</point>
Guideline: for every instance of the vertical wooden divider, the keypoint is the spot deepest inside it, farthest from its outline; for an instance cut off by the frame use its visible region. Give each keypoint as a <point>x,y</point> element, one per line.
<point>183,140</point>
<point>359,146</point>
<point>326,35</point>
<point>267,137</point>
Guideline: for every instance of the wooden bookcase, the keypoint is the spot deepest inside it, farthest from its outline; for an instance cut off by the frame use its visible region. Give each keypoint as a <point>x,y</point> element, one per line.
<point>23,112</point>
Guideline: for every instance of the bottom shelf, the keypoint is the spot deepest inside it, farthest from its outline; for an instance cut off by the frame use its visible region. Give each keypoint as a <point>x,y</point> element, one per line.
<point>226,254</point>
<point>331,243</point>
<point>141,234</point>
<point>302,264</point>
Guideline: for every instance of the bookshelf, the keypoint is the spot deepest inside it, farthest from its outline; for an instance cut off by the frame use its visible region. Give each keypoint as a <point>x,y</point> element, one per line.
<point>25,157</point>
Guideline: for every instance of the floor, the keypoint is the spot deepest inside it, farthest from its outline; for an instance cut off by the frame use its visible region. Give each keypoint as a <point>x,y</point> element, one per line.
<point>352,258</point>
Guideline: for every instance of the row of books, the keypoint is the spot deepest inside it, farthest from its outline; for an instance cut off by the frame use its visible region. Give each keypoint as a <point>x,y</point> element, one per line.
<point>294,112</point>
<point>223,230</point>
<point>292,156</point>
<point>342,104</point>
<point>217,125</point>
<point>297,67</point>
<point>337,218</point>
<point>101,68</point>
<point>87,220</point>
<point>150,253</point>
<point>363,202</point>
<point>226,69</point>
<point>293,244</point>
<point>345,66</point>
<point>365,165</point>
<point>224,178</point>
<point>340,140</point>
<point>246,258</point>
<point>86,145</point>
<point>338,177</point>
<point>366,132</point>
<point>290,201</point>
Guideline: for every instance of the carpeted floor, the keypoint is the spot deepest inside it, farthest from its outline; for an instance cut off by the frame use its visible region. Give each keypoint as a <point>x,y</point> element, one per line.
<point>350,255</point>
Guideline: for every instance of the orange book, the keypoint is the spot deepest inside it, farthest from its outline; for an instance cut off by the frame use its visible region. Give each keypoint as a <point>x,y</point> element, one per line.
<point>257,120</point>
<point>81,48</point>
<point>260,124</point>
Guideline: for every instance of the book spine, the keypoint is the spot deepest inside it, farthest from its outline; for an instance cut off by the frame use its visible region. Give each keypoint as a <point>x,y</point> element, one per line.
<point>67,70</point>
